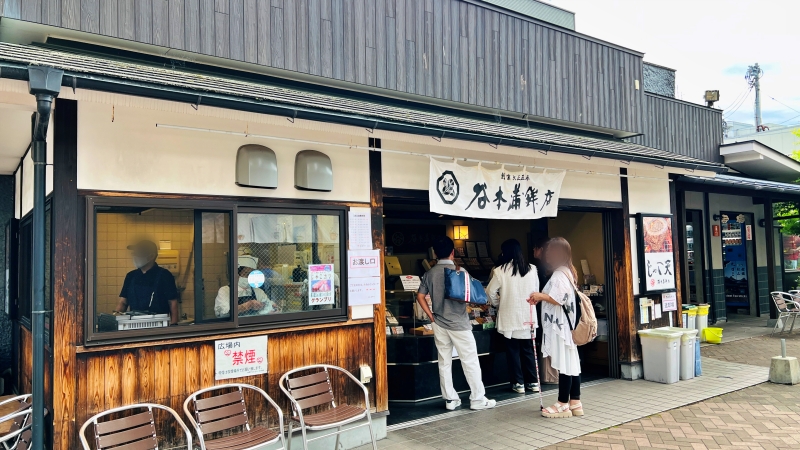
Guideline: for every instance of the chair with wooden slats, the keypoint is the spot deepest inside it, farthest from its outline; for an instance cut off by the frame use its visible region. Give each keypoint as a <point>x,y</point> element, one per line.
<point>226,412</point>
<point>133,432</point>
<point>24,440</point>
<point>20,410</point>
<point>315,391</point>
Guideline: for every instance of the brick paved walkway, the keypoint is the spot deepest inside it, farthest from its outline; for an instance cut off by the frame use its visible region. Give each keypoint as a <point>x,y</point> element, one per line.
<point>765,416</point>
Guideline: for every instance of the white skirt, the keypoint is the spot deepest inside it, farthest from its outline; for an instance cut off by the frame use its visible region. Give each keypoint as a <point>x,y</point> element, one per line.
<point>563,358</point>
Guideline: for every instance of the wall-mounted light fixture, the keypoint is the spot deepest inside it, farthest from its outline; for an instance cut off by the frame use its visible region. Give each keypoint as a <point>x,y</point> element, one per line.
<point>716,217</point>
<point>460,232</point>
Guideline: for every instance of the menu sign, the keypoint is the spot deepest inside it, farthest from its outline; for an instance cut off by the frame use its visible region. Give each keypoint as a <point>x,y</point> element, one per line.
<point>243,357</point>
<point>657,265</point>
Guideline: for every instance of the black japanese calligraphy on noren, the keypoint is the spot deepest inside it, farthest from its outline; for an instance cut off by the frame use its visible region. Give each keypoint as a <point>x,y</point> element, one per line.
<point>447,187</point>
<point>515,198</point>
<point>530,198</point>
<point>480,195</point>
<point>498,198</point>
<point>547,197</point>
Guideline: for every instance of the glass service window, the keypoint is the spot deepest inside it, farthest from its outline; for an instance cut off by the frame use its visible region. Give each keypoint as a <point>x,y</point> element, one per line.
<point>165,267</point>
<point>157,267</point>
<point>289,265</point>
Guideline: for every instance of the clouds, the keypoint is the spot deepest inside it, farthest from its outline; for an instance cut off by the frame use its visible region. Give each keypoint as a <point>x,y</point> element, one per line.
<point>710,43</point>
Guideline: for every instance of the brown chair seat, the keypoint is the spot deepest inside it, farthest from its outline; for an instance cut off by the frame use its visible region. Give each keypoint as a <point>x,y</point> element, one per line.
<point>245,439</point>
<point>334,415</point>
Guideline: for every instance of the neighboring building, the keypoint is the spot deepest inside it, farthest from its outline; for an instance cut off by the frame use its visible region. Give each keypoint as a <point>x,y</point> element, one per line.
<point>778,137</point>
<point>190,123</point>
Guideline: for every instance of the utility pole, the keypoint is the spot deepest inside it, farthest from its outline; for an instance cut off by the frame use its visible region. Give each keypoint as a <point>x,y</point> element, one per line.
<point>753,77</point>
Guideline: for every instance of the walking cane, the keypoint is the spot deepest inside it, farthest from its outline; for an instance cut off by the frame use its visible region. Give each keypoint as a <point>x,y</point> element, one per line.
<point>536,361</point>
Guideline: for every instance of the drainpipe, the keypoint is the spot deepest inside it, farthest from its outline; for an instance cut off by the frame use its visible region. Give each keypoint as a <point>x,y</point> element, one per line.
<point>45,84</point>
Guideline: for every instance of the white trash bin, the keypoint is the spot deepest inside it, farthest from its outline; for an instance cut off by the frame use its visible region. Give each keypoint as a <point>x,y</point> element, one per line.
<point>688,341</point>
<point>661,355</point>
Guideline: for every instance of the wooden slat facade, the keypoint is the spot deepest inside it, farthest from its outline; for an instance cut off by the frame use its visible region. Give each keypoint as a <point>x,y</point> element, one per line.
<point>445,49</point>
<point>681,127</point>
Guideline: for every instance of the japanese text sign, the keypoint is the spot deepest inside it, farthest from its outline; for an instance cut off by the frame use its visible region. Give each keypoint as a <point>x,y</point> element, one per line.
<point>364,263</point>
<point>669,301</point>
<point>479,192</point>
<point>320,284</point>
<point>657,264</point>
<point>244,357</point>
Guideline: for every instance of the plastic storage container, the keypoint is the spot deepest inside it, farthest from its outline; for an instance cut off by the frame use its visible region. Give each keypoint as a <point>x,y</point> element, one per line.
<point>690,318</point>
<point>713,335</point>
<point>702,320</point>
<point>688,342</point>
<point>661,355</point>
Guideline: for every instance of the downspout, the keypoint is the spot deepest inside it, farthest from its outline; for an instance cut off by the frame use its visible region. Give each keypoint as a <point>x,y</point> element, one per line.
<point>45,84</point>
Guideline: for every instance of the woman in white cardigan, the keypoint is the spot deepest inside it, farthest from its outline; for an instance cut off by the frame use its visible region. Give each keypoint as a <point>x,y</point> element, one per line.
<point>513,281</point>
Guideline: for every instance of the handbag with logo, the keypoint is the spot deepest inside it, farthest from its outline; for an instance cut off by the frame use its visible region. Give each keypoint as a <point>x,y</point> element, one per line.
<point>461,287</point>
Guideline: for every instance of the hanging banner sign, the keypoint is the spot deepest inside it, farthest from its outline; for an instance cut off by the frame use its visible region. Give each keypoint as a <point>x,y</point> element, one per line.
<point>479,192</point>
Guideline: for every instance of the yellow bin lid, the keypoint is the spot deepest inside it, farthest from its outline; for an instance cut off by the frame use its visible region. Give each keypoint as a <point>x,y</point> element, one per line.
<point>703,309</point>
<point>691,312</point>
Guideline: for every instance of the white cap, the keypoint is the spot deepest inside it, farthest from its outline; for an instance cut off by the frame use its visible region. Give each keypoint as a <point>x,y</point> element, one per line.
<point>248,261</point>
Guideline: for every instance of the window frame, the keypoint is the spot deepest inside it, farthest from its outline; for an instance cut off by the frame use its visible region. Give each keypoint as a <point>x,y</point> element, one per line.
<point>219,326</point>
<point>289,209</point>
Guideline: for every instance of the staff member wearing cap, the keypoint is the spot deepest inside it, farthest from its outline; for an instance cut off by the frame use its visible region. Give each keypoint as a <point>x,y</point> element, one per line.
<point>150,287</point>
<point>251,301</point>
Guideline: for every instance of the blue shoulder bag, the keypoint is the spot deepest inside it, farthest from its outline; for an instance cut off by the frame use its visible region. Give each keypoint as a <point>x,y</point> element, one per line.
<point>461,287</point>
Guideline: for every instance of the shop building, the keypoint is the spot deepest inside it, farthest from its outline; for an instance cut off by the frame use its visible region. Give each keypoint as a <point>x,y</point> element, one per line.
<point>335,114</point>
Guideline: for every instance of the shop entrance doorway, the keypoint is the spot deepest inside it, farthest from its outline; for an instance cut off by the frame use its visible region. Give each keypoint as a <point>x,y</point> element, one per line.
<point>695,257</point>
<point>409,229</point>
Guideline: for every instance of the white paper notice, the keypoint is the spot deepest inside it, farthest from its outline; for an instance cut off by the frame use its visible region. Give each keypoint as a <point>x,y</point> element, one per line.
<point>410,282</point>
<point>243,357</point>
<point>669,301</point>
<point>364,291</point>
<point>656,311</point>
<point>360,228</point>
<point>363,263</point>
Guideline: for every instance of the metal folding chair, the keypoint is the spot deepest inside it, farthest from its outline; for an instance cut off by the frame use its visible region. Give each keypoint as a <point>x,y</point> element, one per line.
<point>225,410</point>
<point>315,391</point>
<point>21,417</point>
<point>134,432</point>
<point>788,307</point>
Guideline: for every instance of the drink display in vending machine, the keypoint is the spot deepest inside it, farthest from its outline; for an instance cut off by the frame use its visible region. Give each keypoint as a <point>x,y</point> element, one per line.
<point>734,254</point>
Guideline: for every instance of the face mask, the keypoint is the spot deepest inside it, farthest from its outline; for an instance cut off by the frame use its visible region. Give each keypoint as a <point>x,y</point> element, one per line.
<point>243,284</point>
<point>139,261</point>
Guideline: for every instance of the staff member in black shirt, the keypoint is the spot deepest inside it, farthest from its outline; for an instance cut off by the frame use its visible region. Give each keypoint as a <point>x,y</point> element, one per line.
<point>148,288</point>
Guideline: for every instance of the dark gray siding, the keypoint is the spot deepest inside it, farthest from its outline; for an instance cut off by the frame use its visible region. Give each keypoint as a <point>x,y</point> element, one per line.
<point>681,127</point>
<point>445,49</point>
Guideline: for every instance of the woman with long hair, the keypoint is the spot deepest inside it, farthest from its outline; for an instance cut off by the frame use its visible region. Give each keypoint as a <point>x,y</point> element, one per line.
<point>558,317</point>
<point>512,283</point>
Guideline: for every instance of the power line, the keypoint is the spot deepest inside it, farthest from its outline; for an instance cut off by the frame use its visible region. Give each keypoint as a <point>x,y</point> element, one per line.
<point>795,117</point>
<point>784,104</point>
<point>736,100</point>
<point>744,99</point>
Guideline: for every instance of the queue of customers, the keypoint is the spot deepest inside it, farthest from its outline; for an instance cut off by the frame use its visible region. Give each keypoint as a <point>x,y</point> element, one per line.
<point>525,296</point>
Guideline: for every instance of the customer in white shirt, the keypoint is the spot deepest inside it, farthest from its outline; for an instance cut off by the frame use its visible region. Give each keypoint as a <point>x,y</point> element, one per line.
<point>513,281</point>
<point>559,314</point>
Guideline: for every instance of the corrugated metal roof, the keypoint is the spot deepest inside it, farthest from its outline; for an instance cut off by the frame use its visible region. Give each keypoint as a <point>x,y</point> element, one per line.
<point>91,68</point>
<point>539,10</point>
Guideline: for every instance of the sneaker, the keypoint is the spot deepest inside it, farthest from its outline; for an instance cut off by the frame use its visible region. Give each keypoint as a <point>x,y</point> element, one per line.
<point>484,404</point>
<point>533,387</point>
<point>518,388</point>
<point>452,404</point>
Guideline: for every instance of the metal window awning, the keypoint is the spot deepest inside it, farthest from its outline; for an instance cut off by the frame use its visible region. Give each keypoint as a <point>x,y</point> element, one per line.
<point>755,159</point>
<point>134,78</point>
<point>754,184</point>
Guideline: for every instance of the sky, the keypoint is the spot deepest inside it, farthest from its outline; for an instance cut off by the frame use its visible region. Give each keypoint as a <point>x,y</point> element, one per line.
<point>710,43</point>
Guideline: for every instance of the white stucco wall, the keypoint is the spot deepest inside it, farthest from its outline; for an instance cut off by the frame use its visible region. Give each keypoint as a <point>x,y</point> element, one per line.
<point>121,149</point>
